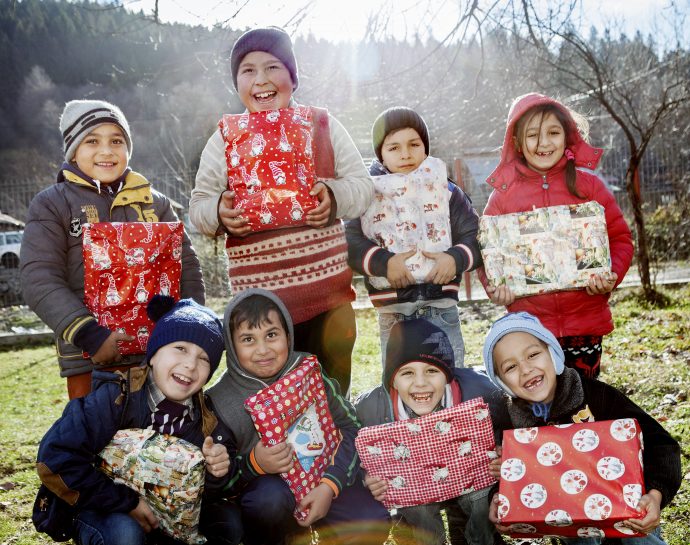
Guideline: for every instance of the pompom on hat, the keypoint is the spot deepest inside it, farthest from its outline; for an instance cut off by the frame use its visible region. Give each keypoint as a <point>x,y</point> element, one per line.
<point>527,323</point>
<point>273,40</point>
<point>185,320</point>
<point>417,340</point>
<point>394,119</point>
<point>82,116</point>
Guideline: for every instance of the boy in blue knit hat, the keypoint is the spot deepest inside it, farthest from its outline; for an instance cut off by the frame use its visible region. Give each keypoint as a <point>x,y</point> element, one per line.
<point>80,502</point>
<point>525,360</point>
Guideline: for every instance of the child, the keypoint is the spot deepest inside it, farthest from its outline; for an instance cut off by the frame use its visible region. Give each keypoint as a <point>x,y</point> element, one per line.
<point>258,334</point>
<point>420,378</point>
<point>401,142</point>
<point>305,266</point>
<point>543,145</point>
<point>525,359</point>
<point>183,352</point>
<point>94,184</point>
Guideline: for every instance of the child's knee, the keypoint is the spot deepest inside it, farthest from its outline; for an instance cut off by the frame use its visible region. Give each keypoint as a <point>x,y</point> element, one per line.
<point>267,498</point>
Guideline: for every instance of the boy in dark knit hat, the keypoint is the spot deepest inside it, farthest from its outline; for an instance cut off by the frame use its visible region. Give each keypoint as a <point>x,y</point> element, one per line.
<point>183,352</point>
<point>420,377</point>
<point>385,244</point>
<point>94,184</point>
<point>306,266</point>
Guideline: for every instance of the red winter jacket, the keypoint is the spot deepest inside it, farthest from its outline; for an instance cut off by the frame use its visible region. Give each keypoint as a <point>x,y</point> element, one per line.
<point>518,188</point>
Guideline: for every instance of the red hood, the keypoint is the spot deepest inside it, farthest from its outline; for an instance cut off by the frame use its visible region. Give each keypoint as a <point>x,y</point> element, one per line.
<point>586,156</point>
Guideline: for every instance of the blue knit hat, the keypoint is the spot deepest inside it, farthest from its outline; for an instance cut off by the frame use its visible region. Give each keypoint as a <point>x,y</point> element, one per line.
<point>525,322</point>
<point>417,340</point>
<point>188,321</point>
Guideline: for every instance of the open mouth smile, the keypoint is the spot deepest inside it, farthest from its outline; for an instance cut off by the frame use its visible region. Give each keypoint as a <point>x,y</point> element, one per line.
<point>265,96</point>
<point>182,379</point>
<point>534,383</point>
<point>421,398</point>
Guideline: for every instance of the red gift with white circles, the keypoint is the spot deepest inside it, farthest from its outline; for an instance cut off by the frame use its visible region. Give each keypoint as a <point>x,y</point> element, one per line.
<point>572,480</point>
<point>125,265</point>
<point>270,161</point>
<point>295,409</point>
<point>432,458</point>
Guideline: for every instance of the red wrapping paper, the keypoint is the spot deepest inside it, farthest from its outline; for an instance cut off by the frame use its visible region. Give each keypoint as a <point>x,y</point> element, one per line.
<point>270,159</point>
<point>295,409</point>
<point>572,480</point>
<point>432,458</point>
<point>125,265</point>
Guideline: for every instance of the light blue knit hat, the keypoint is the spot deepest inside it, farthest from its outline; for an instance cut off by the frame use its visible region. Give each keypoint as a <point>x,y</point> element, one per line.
<point>525,322</point>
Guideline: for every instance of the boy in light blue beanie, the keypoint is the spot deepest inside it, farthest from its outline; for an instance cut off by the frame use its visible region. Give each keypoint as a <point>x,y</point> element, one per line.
<point>525,360</point>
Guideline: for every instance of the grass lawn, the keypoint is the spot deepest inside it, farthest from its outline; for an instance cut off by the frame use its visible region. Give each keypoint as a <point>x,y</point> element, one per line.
<point>647,357</point>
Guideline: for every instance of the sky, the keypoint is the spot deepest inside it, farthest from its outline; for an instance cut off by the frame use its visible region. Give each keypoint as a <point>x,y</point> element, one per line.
<point>346,20</point>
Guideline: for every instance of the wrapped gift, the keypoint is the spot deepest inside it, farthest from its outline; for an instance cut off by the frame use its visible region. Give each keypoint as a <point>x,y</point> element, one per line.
<point>166,471</point>
<point>125,265</point>
<point>270,160</point>
<point>435,457</point>
<point>295,409</point>
<point>410,211</point>
<point>573,480</point>
<point>545,249</point>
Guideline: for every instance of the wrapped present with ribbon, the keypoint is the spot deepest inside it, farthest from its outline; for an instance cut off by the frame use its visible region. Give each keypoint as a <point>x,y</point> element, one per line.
<point>433,458</point>
<point>546,249</point>
<point>295,409</point>
<point>125,265</point>
<point>168,472</point>
<point>270,160</point>
<point>572,480</point>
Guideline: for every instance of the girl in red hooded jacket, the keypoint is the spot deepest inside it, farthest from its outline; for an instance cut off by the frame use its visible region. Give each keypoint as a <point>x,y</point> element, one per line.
<point>544,143</point>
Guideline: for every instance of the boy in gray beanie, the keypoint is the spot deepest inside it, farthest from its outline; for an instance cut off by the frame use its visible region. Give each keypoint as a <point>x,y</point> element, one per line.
<point>94,184</point>
<point>166,396</point>
<point>525,360</point>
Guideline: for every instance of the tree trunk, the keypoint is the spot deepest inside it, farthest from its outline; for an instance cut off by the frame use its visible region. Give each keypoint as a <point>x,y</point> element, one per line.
<point>632,184</point>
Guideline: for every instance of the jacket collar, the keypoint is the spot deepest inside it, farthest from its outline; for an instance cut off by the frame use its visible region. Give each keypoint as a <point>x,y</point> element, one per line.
<point>134,188</point>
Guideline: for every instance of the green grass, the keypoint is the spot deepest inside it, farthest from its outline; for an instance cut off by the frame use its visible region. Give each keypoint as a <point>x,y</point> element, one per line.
<point>647,356</point>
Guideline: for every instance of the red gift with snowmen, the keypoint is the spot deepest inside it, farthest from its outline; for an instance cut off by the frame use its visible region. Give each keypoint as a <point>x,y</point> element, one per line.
<point>572,480</point>
<point>271,165</point>
<point>295,409</point>
<point>125,265</point>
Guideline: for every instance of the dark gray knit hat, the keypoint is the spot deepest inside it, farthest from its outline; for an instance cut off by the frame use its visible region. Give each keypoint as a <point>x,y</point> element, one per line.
<point>81,116</point>
<point>394,119</point>
<point>185,320</point>
<point>417,340</point>
<point>273,40</point>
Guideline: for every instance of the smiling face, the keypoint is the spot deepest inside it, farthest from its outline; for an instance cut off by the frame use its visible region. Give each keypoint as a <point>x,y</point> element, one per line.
<point>180,369</point>
<point>420,385</point>
<point>103,153</point>
<point>261,350</point>
<point>263,82</point>
<point>524,364</point>
<point>402,151</point>
<point>542,141</point>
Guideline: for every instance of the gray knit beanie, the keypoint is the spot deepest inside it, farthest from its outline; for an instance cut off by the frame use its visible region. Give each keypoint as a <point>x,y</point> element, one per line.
<point>81,116</point>
<point>273,40</point>
<point>394,119</point>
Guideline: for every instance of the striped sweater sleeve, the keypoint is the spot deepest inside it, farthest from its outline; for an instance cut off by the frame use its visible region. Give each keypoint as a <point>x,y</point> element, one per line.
<point>363,254</point>
<point>464,224</point>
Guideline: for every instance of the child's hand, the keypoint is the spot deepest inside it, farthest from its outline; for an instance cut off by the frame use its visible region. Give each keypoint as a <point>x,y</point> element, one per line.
<point>397,272</point>
<point>109,352</point>
<point>217,459</point>
<point>500,295</point>
<point>144,516</point>
<point>599,283</point>
<point>316,504</point>
<point>444,269</point>
<point>493,515</point>
<point>495,464</point>
<point>318,217</point>
<point>274,459</point>
<point>231,217</point>
<point>377,486</point>
<point>650,504</point>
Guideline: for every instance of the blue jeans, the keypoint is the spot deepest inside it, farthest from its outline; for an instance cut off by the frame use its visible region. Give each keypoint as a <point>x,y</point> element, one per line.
<point>102,528</point>
<point>447,319</point>
<point>653,538</point>
<point>267,506</point>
